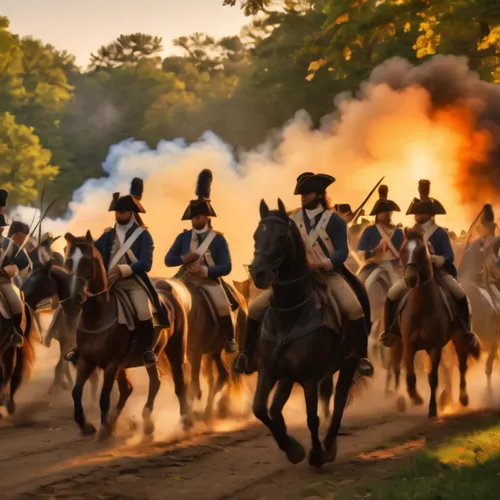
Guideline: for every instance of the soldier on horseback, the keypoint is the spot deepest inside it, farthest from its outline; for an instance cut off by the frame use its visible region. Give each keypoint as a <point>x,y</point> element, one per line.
<point>127,253</point>
<point>325,235</point>
<point>13,261</point>
<point>204,255</point>
<point>3,221</point>
<point>484,253</point>
<point>381,242</point>
<point>43,253</point>
<point>442,257</point>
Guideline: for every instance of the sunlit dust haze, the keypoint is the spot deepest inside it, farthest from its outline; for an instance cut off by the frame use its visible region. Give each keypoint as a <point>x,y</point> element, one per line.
<point>436,121</point>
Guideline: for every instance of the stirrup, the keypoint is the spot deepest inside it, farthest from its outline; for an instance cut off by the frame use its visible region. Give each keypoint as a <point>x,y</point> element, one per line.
<point>240,364</point>
<point>16,340</point>
<point>365,367</point>
<point>71,355</point>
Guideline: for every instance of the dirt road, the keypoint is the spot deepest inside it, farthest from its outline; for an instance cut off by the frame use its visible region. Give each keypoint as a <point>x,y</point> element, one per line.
<point>43,456</point>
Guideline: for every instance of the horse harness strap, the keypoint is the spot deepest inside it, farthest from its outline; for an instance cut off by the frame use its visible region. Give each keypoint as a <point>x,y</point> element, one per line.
<point>317,233</point>
<point>126,247</point>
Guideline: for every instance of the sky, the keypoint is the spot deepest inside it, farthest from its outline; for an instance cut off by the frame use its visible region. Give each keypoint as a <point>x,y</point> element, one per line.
<point>82,26</point>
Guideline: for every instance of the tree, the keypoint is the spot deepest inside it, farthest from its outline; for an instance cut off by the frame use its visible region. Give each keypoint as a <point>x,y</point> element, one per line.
<point>126,49</point>
<point>24,163</point>
<point>251,7</point>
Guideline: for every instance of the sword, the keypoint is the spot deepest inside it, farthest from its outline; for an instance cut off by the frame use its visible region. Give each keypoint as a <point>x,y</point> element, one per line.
<point>469,232</point>
<point>365,201</point>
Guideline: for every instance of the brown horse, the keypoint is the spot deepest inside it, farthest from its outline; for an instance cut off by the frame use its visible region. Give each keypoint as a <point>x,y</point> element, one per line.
<point>47,281</point>
<point>206,342</point>
<point>16,365</point>
<point>425,323</point>
<point>103,342</point>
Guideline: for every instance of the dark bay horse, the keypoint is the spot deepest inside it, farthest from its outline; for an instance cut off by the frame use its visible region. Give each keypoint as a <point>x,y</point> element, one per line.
<point>16,365</point>
<point>103,342</point>
<point>425,323</point>
<point>295,346</point>
<point>46,281</point>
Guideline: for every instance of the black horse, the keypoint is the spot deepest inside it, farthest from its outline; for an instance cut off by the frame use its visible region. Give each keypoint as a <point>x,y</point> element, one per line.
<point>295,345</point>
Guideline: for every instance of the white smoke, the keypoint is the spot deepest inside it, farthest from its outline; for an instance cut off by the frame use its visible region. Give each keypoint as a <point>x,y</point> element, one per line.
<point>380,132</point>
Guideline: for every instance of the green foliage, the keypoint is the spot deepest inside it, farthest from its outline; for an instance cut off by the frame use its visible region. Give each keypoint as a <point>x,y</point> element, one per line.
<point>24,163</point>
<point>296,54</point>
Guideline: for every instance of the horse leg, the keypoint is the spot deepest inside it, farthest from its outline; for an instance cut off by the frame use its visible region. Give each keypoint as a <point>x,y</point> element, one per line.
<point>462,354</point>
<point>446,396</point>
<point>435,356</point>
<point>83,372</point>
<point>411,377</point>
<point>175,355</point>
<point>154,387</point>
<point>489,365</point>
<point>344,383</point>
<point>395,360</point>
<point>325,395</point>
<point>209,373</point>
<point>311,395</point>
<point>194,385</point>
<point>293,449</point>
<point>222,382</point>
<point>105,400</point>
<point>15,382</point>
<point>125,388</point>
<point>10,362</point>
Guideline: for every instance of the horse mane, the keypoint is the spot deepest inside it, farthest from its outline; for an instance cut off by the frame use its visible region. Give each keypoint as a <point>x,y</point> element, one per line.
<point>413,234</point>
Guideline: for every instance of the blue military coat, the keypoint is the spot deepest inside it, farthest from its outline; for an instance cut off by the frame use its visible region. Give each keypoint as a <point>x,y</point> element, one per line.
<point>441,244</point>
<point>218,248</point>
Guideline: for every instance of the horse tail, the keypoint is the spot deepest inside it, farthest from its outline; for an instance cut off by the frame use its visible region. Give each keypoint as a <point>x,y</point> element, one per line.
<point>27,356</point>
<point>358,384</point>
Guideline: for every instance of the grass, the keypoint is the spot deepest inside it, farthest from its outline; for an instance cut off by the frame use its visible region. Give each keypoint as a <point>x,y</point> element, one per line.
<point>464,466</point>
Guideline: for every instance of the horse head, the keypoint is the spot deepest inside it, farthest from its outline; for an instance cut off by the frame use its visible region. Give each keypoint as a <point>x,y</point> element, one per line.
<point>84,261</point>
<point>276,241</point>
<point>39,284</point>
<point>415,258</point>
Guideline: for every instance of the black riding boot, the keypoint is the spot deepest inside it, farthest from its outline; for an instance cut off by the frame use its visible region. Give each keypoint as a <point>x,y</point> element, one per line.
<point>147,335</point>
<point>227,330</point>
<point>389,319</point>
<point>17,338</point>
<point>243,362</point>
<point>471,338</point>
<point>356,333</point>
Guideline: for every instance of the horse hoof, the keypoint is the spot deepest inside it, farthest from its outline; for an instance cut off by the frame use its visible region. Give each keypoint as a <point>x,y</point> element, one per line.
<point>296,452</point>
<point>149,425</point>
<point>401,404</point>
<point>104,433</point>
<point>329,455</point>
<point>88,430</point>
<point>11,407</point>
<point>316,458</point>
<point>464,399</point>
<point>432,413</point>
<point>417,400</point>
<point>187,423</point>
<point>199,395</point>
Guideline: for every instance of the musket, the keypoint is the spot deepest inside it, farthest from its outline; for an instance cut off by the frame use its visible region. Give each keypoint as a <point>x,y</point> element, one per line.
<point>40,220</point>
<point>365,201</point>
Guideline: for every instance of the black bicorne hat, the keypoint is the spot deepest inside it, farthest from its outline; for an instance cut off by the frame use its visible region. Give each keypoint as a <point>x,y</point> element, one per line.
<point>383,205</point>
<point>313,183</point>
<point>19,227</point>
<point>130,202</point>
<point>201,206</point>
<point>425,205</point>
<point>343,208</point>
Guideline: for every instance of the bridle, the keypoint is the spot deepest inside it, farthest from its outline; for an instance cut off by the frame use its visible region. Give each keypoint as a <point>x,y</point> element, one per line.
<point>276,263</point>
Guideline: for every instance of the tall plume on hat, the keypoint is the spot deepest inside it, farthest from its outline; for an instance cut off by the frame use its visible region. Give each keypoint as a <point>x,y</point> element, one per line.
<point>204,184</point>
<point>137,188</point>
<point>383,192</point>
<point>424,189</point>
